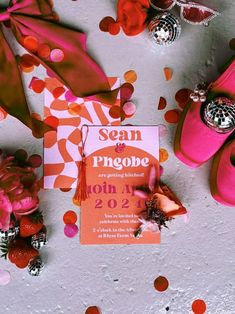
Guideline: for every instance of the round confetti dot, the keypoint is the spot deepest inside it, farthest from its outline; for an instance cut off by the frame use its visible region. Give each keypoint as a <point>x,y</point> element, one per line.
<point>65,189</point>
<point>130,76</point>
<point>30,43</point>
<point>115,112</point>
<point>182,97</point>
<point>105,22</point>
<point>163,155</point>
<point>70,230</point>
<point>163,131</point>
<point>172,116</point>
<point>35,161</point>
<point>126,91</point>
<point>3,114</point>
<point>199,306</point>
<point>74,109</point>
<point>162,103</point>
<point>44,51</point>
<point>52,121</point>
<point>69,96</point>
<point>114,28</point>
<point>5,277</point>
<point>58,91</point>
<point>57,55</point>
<point>232,44</point>
<point>26,61</point>
<point>93,310</point>
<point>129,108</point>
<point>21,155</point>
<point>161,284</point>
<point>70,217</point>
<point>37,85</point>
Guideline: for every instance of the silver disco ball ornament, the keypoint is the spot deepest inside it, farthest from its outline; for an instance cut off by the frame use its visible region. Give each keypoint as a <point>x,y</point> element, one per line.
<point>10,234</point>
<point>219,114</point>
<point>164,29</point>
<point>35,266</point>
<point>39,240</point>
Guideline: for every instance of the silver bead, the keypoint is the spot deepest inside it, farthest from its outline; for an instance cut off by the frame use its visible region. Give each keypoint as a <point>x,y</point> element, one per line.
<point>202,92</point>
<point>202,98</point>
<point>192,96</point>
<point>164,29</point>
<point>39,240</point>
<point>10,234</point>
<point>195,98</point>
<point>196,90</point>
<point>219,114</point>
<point>35,266</point>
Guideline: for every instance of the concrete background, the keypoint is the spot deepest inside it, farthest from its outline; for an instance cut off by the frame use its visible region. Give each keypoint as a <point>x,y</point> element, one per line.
<point>198,257</point>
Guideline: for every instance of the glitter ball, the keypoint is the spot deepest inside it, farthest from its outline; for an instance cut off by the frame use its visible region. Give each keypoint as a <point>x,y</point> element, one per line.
<point>57,55</point>
<point>5,277</point>
<point>129,108</point>
<point>219,114</point>
<point>70,230</point>
<point>164,29</point>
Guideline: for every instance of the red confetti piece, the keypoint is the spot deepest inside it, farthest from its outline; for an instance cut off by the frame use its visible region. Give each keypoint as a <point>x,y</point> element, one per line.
<point>114,28</point>
<point>26,61</point>
<point>44,51</point>
<point>199,306</point>
<point>161,284</point>
<point>35,161</point>
<point>70,217</point>
<point>172,116</point>
<point>232,44</point>
<point>182,97</point>
<point>37,85</point>
<point>52,121</point>
<point>58,91</point>
<point>162,103</point>
<point>115,112</point>
<point>168,73</point>
<point>30,43</point>
<point>126,91</point>
<point>93,310</point>
<point>105,22</point>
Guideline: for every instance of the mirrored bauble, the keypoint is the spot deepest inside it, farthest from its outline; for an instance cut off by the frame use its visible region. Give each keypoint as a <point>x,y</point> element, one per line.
<point>10,234</point>
<point>35,266</point>
<point>164,29</point>
<point>39,240</point>
<point>219,114</point>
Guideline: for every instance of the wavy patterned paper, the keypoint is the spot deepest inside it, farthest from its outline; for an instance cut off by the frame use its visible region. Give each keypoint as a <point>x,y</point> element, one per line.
<point>62,148</point>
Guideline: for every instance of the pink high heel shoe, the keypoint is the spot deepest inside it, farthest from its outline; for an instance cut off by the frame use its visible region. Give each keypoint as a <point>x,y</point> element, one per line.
<point>222,178</point>
<point>197,141</point>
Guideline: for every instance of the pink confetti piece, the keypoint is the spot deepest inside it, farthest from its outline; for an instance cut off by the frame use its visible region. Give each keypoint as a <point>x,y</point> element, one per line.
<point>70,230</point>
<point>5,277</point>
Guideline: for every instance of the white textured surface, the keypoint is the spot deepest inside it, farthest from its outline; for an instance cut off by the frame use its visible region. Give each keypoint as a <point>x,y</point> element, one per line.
<point>197,258</point>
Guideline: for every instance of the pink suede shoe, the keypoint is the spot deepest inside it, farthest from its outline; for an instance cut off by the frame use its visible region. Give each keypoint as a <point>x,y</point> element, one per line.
<point>195,143</point>
<point>222,179</point>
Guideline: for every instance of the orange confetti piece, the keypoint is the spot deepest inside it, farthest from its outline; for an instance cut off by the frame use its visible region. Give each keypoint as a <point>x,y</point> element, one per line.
<point>70,217</point>
<point>74,109</point>
<point>93,310</point>
<point>130,76</point>
<point>162,103</point>
<point>163,155</point>
<point>30,43</point>
<point>168,73</point>
<point>161,284</point>
<point>199,306</point>
<point>172,116</point>
<point>115,112</point>
<point>27,70</point>
<point>44,51</point>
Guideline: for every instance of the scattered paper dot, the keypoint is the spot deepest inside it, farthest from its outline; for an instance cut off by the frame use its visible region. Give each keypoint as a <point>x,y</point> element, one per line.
<point>57,55</point>
<point>199,306</point>
<point>105,22</point>
<point>232,44</point>
<point>126,91</point>
<point>93,310</point>
<point>182,97</point>
<point>21,155</point>
<point>168,73</point>
<point>5,277</point>
<point>26,61</point>
<point>114,28</point>
<point>70,217</point>
<point>130,76</point>
<point>172,116</point>
<point>115,112</point>
<point>30,43</point>
<point>70,230</point>
<point>35,161</point>
<point>44,51</point>
<point>161,284</point>
<point>129,108</point>
<point>163,155</point>
<point>162,103</point>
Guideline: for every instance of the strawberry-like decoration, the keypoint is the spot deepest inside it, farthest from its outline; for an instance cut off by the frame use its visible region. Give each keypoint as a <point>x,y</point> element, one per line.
<point>31,224</point>
<point>19,252</point>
